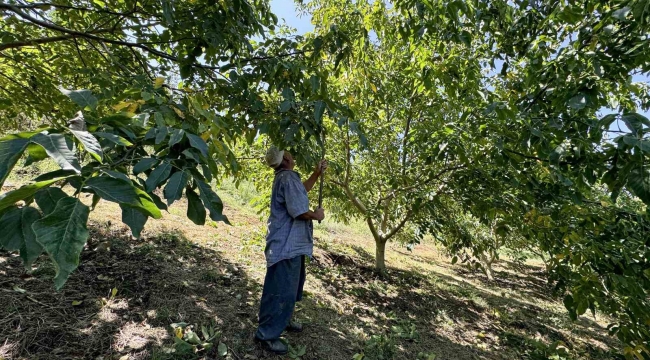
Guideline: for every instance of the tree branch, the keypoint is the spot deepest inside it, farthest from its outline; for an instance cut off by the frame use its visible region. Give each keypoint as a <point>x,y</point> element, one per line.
<point>399,226</point>
<point>355,201</point>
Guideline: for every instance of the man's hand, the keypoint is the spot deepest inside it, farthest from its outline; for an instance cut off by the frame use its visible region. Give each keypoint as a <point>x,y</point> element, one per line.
<point>320,168</point>
<point>319,214</point>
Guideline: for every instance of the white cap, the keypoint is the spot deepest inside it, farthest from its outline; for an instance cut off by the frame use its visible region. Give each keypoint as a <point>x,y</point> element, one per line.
<point>274,157</point>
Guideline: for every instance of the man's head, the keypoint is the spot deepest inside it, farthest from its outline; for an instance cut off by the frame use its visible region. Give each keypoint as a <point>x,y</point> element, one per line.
<point>279,159</point>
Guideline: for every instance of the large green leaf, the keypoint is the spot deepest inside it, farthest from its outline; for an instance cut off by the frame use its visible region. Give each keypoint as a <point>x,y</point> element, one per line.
<point>161,134</point>
<point>83,98</point>
<point>198,143</point>
<point>134,218</point>
<point>17,234</point>
<point>123,193</point>
<point>90,144</point>
<point>195,209</point>
<point>212,202</point>
<point>24,192</point>
<point>176,137</point>
<point>11,234</point>
<point>319,109</point>
<point>635,122</point>
<point>144,165</point>
<point>30,249</point>
<point>59,148</point>
<point>63,235</point>
<point>174,189</point>
<point>116,139</point>
<point>35,153</point>
<point>55,174</point>
<point>158,176</point>
<point>48,198</point>
<point>639,182</point>
<point>10,152</point>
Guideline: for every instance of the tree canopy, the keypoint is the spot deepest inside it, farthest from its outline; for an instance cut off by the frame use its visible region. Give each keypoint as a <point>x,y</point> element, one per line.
<point>480,122</point>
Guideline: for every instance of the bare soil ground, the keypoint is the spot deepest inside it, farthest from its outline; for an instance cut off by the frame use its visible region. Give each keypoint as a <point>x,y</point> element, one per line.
<point>212,275</point>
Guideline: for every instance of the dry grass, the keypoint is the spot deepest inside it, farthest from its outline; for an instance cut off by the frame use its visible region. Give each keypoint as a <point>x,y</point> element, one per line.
<point>212,274</point>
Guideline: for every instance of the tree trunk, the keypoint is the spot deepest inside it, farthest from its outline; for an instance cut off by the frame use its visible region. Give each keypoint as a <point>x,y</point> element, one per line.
<point>380,255</point>
<point>487,266</point>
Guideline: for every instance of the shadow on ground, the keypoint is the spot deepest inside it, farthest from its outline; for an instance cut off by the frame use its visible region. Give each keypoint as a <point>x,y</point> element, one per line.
<point>121,301</point>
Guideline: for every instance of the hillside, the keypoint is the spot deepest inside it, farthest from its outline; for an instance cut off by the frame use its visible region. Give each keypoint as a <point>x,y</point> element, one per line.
<point>121,301</point>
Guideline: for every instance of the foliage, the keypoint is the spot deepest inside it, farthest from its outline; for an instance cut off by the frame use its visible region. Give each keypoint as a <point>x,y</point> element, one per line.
<point>512,94</point>
<point>297,352</point>
<point>413,137</point>
<point>188,341</point>
<point>379,347</point>
<point>157,97</point>
<point>561,64</point>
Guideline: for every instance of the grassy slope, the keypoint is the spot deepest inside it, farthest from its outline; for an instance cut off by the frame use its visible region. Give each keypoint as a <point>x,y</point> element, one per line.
<point>212,274</point>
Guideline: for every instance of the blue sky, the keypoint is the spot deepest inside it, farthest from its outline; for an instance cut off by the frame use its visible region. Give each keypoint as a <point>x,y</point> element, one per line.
<point>286,9</point>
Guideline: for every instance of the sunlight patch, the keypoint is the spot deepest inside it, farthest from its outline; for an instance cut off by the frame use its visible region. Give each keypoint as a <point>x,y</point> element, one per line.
<point>136,336</point>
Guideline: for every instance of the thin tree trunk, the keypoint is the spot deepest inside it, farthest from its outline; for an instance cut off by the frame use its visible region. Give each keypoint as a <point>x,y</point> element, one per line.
<point>380,255</point>
<point>487,266</point>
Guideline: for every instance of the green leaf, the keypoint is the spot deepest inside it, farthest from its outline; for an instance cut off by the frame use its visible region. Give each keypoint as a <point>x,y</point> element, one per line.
<point>212,202</point>
<point>319,109</point>
<point>48,198</point>
<point>174,189</point>
<point>83,98</point>
<point>190,154</point>
<point>177,136</point>
<point>168,12</point>
<point>30,249</point>
<point>159,203</point>
<point>10,151</point>
<point>639,182</point>
<point>123,193</point>
<point>161,134</point>
<point>63,234</point>
<point>11,236</point>
<point>35,153</point>
<point>158,176</point>
<point>192,338</point>
<point>195,208</point>
<point>198,143</point>
<point>285,106</point>
<point>222,349</point>
<point>315,83</point>
<point>59,148</point>
<point>144,165</point>
<point>55,174</point>
<point>134,218</point>
<point>635,122</point>
<point>115,139</point>
<point>578,102</point>
<point>644,145</point>
<point>621,13</point>
<point>117,175</point>
<point>90,144</point>
<point>607,120</point>
<point>24,192</point>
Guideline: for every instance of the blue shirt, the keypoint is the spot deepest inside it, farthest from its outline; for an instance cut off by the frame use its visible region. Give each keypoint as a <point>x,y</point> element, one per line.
<point>287,236</point>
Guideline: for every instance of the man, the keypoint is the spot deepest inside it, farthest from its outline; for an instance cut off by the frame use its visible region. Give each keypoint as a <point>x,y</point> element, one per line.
<point>288,241</point>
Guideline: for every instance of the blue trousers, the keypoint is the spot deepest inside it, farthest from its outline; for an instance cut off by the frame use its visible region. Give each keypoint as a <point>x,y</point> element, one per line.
<point>283,286</point>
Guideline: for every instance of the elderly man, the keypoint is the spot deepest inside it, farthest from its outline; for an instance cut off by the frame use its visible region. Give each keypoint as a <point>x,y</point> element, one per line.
<point>288,241</point>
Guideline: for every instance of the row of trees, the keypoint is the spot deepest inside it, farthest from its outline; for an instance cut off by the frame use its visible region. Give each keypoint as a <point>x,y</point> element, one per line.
<point>476,121</point>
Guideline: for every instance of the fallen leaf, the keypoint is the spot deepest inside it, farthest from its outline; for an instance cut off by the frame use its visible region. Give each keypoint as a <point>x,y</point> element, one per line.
<point>77,302</point>
<point>222,349</point>
<point>20,290</point>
